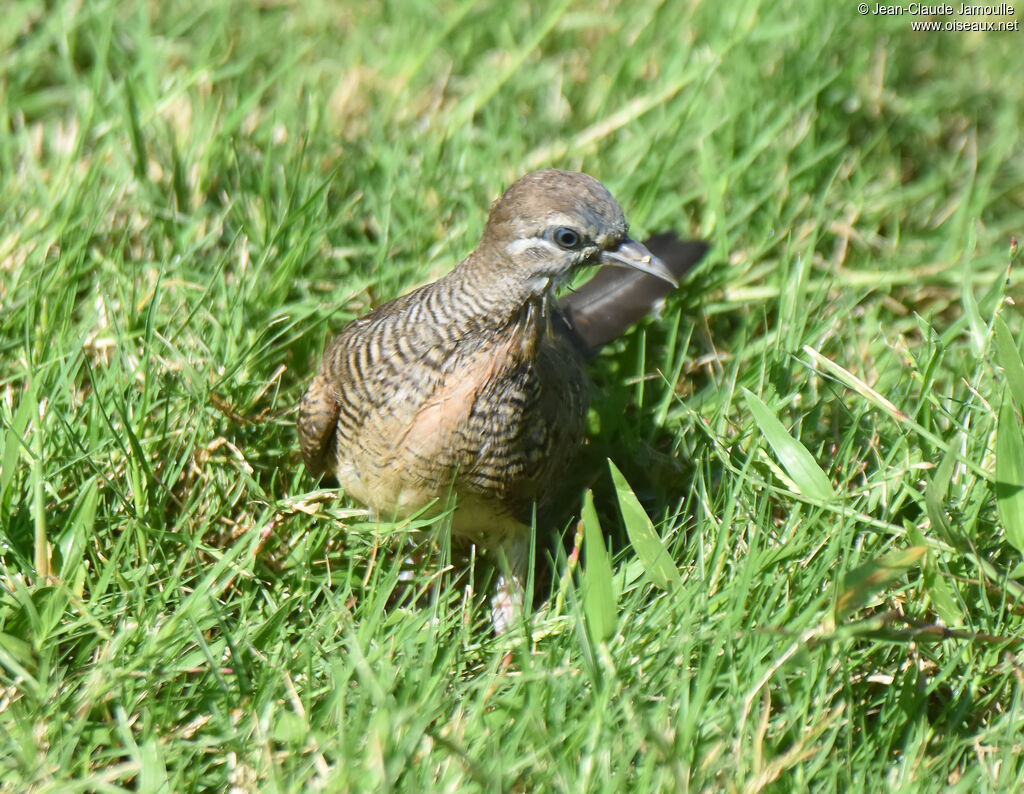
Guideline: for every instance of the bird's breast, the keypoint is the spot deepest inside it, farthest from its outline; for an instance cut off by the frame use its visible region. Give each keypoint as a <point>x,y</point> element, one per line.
<point>492,414</point>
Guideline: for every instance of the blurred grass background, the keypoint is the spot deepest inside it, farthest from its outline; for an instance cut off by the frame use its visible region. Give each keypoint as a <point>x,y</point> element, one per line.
<point>195,196</point>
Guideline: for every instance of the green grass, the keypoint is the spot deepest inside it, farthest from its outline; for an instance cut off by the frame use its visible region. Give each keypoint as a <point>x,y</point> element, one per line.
<point>824,426</point>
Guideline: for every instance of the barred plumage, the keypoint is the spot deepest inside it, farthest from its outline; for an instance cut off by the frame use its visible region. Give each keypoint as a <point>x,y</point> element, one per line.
<point>474,381</point>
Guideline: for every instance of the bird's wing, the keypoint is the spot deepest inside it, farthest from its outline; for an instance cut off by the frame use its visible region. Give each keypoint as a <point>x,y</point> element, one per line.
<point>318,422</point>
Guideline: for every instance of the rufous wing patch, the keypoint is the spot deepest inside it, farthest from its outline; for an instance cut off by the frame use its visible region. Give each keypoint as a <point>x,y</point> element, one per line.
<point>435,424</point>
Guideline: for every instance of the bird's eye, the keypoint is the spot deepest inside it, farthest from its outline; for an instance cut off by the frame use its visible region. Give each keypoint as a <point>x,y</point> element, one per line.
<point>567,238</point>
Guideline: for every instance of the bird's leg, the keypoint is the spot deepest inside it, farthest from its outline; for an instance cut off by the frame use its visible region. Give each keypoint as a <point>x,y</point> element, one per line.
<point>509,592</point>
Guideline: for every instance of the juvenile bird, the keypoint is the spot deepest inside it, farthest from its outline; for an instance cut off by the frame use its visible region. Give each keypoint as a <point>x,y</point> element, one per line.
<point>474,385</point>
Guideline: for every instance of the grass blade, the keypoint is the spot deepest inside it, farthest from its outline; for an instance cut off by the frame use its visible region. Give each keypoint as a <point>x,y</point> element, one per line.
<point>862,582</point>
<point>1009,360</point>
<point>1010,475</point>
<point>657,562</point>
<point>806,474</point>
<point>935,496</point>
<point>10,454</point>
<point>598,594</point>
<point>935,584</point>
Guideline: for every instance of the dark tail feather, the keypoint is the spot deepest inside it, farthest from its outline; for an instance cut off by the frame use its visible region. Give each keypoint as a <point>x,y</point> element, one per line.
<point>602,309</point>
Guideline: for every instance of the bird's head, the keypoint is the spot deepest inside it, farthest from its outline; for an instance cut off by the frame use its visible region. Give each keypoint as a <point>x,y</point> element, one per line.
<point>550,223</point>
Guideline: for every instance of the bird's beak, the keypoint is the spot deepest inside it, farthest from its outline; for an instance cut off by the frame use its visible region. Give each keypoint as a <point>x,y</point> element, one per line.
<point>631,254</point>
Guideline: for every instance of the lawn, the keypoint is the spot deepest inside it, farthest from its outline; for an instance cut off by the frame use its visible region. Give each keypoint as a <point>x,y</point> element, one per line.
<point>823,425</point>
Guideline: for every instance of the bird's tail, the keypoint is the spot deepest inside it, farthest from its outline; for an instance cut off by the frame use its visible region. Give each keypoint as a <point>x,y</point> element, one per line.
<point>602,309</point>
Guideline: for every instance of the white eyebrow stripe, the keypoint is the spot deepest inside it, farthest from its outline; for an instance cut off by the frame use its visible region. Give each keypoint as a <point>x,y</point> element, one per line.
<point>523,244</point>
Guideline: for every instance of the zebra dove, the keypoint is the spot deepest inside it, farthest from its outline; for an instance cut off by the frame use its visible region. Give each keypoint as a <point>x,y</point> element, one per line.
<point>474,385</point>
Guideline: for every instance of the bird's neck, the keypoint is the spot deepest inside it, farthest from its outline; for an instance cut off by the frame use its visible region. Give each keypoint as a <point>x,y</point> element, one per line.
<point>488,293</point>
